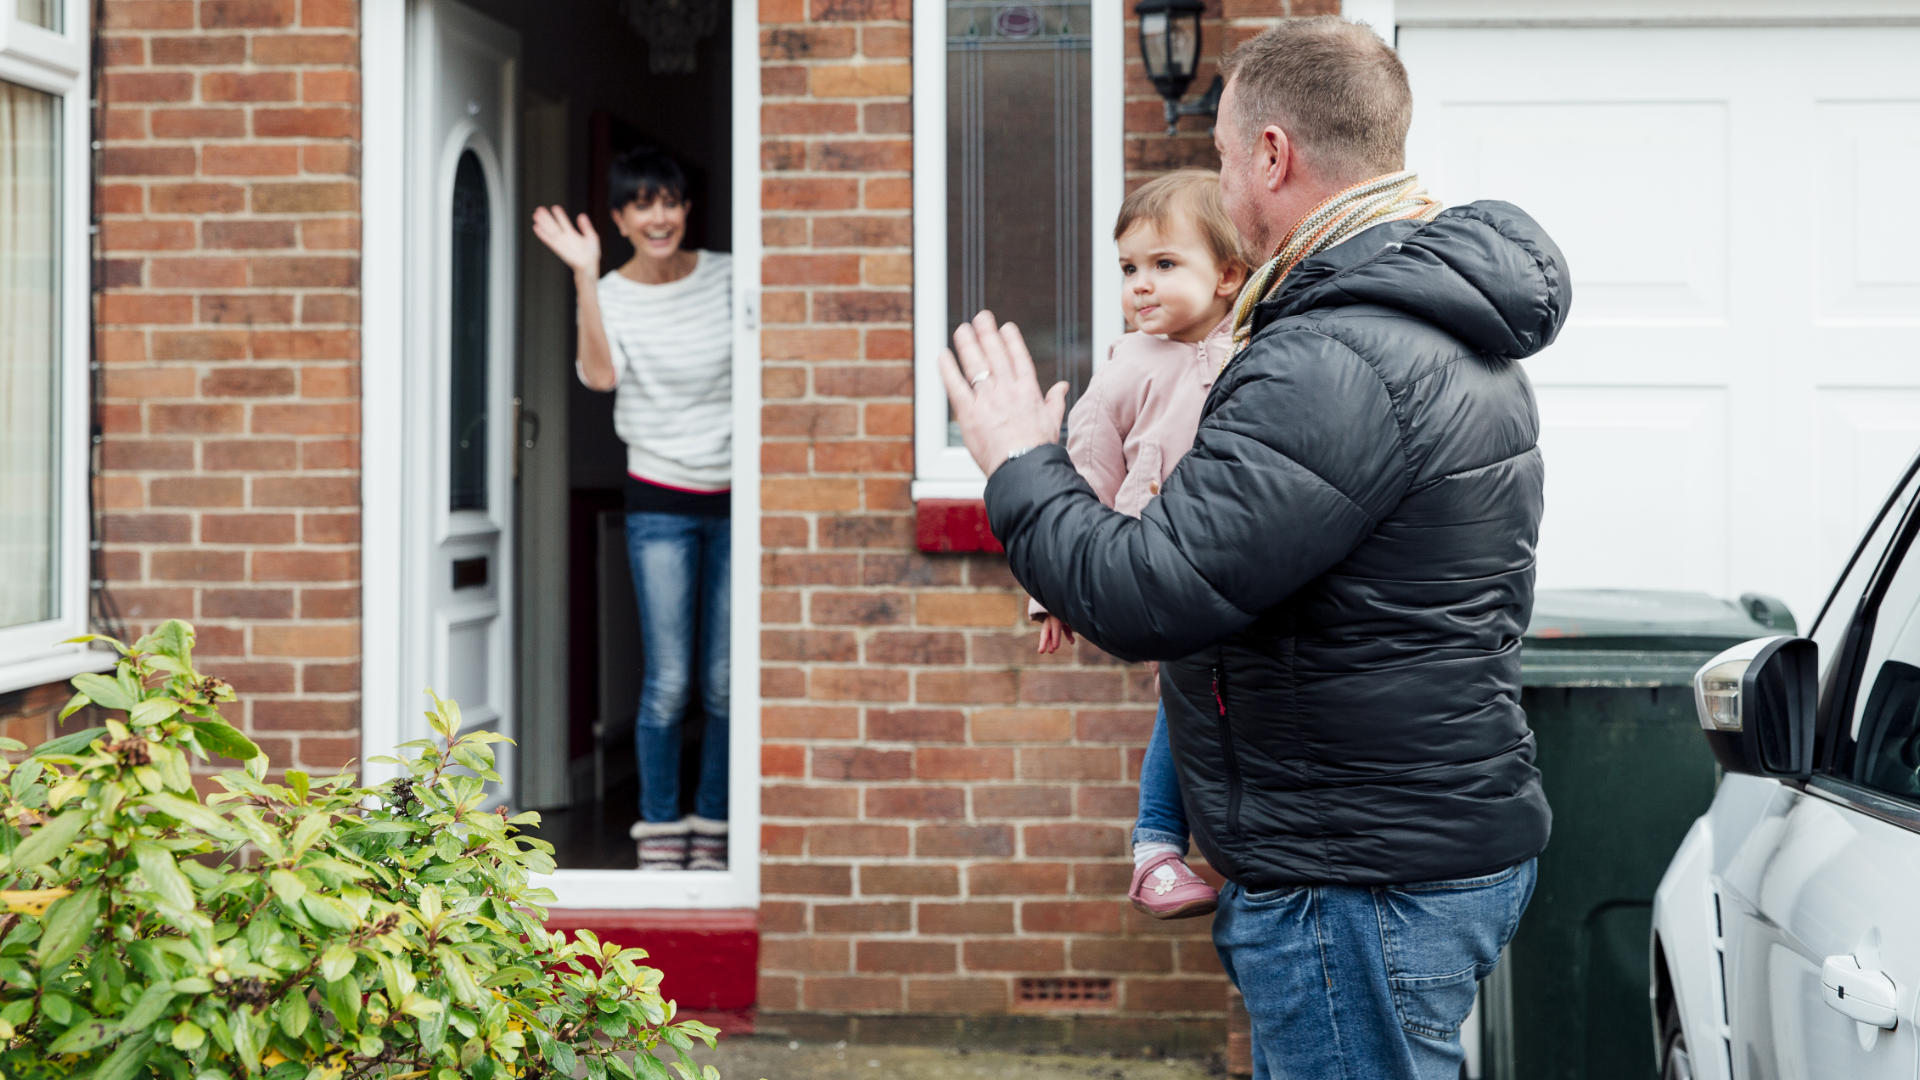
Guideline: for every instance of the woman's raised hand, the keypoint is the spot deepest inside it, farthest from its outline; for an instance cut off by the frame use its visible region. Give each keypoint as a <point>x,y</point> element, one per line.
<point>578,247</point>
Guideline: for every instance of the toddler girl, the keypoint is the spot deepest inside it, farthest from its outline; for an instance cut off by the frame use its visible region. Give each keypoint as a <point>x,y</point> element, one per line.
<point>1181,262</point>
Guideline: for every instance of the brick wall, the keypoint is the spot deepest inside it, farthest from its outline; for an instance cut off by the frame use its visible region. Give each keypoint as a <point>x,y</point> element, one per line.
<point>1225,24</point>
<point>28,715</point>
<point>229,330</point>
<point>944,811</point>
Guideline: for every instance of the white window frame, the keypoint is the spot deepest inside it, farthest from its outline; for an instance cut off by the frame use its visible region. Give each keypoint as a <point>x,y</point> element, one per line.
<point>56,63</point>
<point>947,472</point>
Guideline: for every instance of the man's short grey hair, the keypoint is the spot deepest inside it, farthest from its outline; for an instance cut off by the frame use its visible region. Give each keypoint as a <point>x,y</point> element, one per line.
<point>1336,89</point>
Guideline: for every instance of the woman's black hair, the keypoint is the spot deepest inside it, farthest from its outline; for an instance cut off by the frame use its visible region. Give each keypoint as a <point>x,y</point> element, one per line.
<point>642,175</point>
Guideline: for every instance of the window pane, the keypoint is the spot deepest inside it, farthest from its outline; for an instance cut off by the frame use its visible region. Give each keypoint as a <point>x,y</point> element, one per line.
<point>472,225</point>
<point>42,13</point>
<point>1019,151</point>
<point>29,355</point>
<point>1886,718</point>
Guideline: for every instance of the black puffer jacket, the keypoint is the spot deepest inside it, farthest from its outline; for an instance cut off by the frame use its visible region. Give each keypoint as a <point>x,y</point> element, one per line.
<point>1339,573</point>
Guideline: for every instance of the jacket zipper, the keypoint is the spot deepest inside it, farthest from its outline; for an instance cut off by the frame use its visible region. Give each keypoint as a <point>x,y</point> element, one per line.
<point>1226,747</point>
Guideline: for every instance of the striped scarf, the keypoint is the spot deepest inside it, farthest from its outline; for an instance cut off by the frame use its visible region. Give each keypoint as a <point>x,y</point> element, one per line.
<point>1393,197</point>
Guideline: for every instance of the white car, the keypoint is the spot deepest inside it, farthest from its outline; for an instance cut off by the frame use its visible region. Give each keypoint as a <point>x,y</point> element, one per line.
<point>1786,932</point>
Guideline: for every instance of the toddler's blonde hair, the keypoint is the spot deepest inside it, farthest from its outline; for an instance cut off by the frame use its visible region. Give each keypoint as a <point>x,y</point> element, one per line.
<point>1191,192</point>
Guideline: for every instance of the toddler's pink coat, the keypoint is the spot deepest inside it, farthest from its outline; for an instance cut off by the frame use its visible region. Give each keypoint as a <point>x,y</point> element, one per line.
<point>1138,417</point>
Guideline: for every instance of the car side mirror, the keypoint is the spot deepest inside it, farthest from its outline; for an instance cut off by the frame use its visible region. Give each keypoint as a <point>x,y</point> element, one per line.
<point>1756,703</point>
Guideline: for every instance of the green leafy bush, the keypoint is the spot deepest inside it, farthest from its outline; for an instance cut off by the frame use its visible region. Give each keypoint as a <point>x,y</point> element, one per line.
<point>307,929</point>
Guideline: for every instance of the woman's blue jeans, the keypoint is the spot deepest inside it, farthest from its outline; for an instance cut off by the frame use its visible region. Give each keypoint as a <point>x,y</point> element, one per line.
<point>681,579</point>
<point>1163,819</point>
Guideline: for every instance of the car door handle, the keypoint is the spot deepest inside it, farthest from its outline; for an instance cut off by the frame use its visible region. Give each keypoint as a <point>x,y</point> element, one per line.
<point>1860,993</point>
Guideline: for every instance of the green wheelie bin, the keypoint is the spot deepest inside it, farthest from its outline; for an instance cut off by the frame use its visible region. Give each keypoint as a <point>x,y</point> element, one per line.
<point>1608,688</point>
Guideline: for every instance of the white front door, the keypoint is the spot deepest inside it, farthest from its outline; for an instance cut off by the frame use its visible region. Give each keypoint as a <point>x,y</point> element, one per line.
<point>1739,382</point>
<point>463,228</point>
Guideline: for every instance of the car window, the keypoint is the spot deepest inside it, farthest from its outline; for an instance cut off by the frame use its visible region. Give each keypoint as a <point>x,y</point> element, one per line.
<point>1885,729</point>
<point>1831,623</point>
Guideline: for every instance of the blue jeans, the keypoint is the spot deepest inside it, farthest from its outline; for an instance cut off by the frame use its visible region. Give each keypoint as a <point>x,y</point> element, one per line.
<point>1163,819</point>
<point>681,581</point>
<point>1348,982</point>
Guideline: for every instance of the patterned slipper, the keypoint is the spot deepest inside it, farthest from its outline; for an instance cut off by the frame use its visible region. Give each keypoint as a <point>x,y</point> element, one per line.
<point>662,845</point>
<point>708,849</point>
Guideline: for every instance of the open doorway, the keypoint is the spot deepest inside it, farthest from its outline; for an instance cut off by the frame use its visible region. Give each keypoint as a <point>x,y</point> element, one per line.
<point>594,86</point>
<point>538,620</point>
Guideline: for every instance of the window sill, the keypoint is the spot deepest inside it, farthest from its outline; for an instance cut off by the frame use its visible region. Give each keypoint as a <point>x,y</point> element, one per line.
<point>53,667</point>
<point>943,526</point>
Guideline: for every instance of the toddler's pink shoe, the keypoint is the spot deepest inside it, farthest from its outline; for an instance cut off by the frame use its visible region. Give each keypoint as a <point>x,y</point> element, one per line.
<point>1167,888</point>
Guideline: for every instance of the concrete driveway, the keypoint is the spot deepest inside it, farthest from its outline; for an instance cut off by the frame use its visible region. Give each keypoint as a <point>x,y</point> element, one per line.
<point>749,1058</point>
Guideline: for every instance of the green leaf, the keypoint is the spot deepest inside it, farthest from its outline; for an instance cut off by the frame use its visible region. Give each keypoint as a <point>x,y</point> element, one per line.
<point>433,1031</point>
<point>191,813</point>
<point>222,738</point>
<point>188,1035</point>
<point>24,777</point>
<point>459,979</point>
<point>153,1005</point>
<point>295,1013</point>
<point>477,758</point>
<point>343,1000</point>
<point>193,984</point>
<point>68,744</point>
<point>650,1067</point>
<point>50,840</point>
<point>171,638</point>
<point>246,1040</point>
<point>58,1007</point>
<point>127,1060</point>
<point>68,924</point>
<point>83,1037</point>
<point>75,704</point>
<point>299,781</point>
<point>336,962</point>
<point>152,711</point>
<point>309,830</point>
<point>173,765</point>
<point>287,886</point>
<point>163,874</point>
<point>328,912</point>
<point>105,691</point>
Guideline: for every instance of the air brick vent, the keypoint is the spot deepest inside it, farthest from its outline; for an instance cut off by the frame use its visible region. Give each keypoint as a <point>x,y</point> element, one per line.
<point>1065,995</point>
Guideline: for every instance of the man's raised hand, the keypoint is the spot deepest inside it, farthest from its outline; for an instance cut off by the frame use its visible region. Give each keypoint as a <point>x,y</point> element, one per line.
<point>995,393</point>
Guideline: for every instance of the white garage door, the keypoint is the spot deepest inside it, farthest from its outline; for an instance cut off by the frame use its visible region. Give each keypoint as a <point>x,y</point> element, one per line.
<point>1740,380</point>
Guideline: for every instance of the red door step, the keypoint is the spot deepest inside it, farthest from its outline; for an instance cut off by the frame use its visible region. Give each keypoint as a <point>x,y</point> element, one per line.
<point>711,959</point>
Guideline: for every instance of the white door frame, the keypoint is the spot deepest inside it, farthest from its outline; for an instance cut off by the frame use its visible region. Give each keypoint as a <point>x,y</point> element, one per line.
<point>384,57</point>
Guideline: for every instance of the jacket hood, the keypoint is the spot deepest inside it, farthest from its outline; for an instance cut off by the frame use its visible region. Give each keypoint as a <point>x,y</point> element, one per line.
<point>1484,272</point>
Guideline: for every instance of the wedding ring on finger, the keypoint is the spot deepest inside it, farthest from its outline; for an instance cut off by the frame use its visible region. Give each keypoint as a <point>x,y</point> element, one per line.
<point>975,380</point>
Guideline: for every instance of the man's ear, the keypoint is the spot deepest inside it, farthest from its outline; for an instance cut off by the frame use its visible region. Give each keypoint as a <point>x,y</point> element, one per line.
<point>1275,154</point>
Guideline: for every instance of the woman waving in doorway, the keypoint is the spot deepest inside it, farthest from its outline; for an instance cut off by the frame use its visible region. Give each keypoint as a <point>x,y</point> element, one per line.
<point>656,332</point>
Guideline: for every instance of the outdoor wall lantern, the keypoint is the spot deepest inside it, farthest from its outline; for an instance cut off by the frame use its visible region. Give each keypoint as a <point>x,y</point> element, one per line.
<point>1170,47</point>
